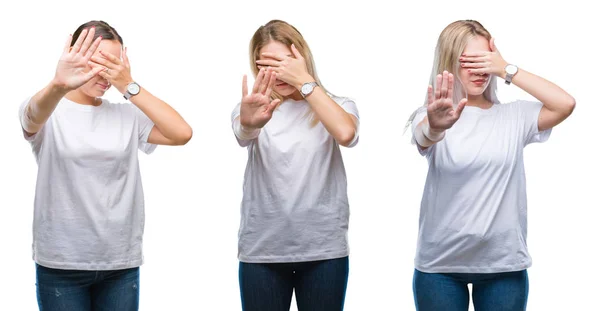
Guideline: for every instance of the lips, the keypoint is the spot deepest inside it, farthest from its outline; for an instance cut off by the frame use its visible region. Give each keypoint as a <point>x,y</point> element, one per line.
<point>104,86</point>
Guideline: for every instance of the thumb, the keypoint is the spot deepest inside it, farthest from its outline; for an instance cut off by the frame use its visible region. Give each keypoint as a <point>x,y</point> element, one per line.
<point>95,71</point>
<point>460,107</point>
<point>296,52</point>
<point>493,45</point>
<point>273,105</point>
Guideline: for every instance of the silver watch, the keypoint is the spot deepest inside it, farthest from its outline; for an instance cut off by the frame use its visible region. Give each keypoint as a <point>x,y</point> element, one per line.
<point>132,90</point>
<point>510,70</point>
<point>308,88</point>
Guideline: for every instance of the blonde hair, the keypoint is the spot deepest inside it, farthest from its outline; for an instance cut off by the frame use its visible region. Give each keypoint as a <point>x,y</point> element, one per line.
<point>280,31</point>
<point>450,45</point>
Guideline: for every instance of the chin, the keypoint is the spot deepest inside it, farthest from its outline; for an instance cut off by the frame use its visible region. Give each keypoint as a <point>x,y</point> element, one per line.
<point>285,91</point>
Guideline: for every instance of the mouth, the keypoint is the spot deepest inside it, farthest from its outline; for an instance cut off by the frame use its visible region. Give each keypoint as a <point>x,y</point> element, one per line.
<point>480,82</point>
<point>280,84</point>
<point>103,86</point>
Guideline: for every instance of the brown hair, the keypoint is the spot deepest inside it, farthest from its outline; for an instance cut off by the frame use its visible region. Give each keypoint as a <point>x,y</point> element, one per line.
<point>102,29</point>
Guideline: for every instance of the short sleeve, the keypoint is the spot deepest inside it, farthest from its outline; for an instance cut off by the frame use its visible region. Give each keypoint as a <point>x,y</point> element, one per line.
<point>529,116</point>
<point>350,107</point>
<point>36,139</point>
<point>419,115</point>
<point>144,125</point>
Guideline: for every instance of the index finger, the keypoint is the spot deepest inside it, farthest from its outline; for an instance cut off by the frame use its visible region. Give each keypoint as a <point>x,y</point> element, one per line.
<point>67,46</point>
<point>277,56</point>
<point>475,54</point>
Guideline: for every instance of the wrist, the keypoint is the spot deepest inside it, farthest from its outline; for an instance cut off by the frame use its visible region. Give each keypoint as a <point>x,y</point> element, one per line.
<point>302,80</point>
<point>502,72</point>
<point>58,88</point>
<point>433,134</point>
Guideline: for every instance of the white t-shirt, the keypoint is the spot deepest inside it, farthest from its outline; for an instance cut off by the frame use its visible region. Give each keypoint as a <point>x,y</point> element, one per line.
<point>295,203</point>
<point>474,206</point>
<point>89,202</point>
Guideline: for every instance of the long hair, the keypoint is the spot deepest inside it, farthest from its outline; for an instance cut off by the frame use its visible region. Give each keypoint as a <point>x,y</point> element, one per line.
<point>450,45</point>
<point>280,31</point>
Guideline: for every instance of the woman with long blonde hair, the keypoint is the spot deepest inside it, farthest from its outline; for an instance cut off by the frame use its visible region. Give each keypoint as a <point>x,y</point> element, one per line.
<point>473,222</point>
<point>295,211</point>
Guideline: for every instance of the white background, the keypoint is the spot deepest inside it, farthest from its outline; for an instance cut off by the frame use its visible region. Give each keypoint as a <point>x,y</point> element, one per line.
<point>380,54</point>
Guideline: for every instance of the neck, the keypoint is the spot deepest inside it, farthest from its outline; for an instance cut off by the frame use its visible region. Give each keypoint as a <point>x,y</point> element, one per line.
<point>295,96</point>
<point>479,101</point>
<point>79,97</point>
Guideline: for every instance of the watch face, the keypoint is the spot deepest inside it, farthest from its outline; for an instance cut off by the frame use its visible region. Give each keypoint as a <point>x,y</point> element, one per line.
<point>133,88</point>
<point>307,88</point>
<point>511,69</point>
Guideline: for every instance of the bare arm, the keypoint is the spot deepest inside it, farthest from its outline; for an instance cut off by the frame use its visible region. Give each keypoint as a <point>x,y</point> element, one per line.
<point>169,127</point>
<point>557,104</point>
<point>72,71</point>
<point>340,124</point>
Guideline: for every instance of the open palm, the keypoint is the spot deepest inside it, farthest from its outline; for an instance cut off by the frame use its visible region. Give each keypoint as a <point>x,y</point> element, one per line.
<point>257,107</point>
<point>73,69</point>
<point>441,113</point>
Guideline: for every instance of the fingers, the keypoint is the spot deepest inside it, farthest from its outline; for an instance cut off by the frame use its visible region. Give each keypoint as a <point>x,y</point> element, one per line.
<point>272,79</point>
<point>430,95</point>
<point>88,41</point>
<point>125,58</point>
<point>277,56</point>
<point>474,65</point>
<point>450,90</point>
<point>258,81</point>
<point>79,41</point>
<point>479,71</point>
<point>244,86</point>
<point>438,86</point>
<point>459,108</point>
<point>493,45</point>
<point>104,62</point>
<point>475,54</point>
<point>93,48</point>
<point>67,46</point>
<point>444,90</point>
<point>296,52</point>
<point>264,83</point>
<point>268,62</point>
<point>273,105</point>
<point>97,70</point>
<point>111,57</point>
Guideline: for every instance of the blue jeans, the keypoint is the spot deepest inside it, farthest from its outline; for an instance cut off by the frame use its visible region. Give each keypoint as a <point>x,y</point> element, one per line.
<point>319,285</point>
<point>491,291</point>
<point>78,290</point>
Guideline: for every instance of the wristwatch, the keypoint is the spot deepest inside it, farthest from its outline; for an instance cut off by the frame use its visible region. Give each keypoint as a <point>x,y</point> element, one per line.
<point>132,90</point>
<point>510,70</point>
<point>308,88</point>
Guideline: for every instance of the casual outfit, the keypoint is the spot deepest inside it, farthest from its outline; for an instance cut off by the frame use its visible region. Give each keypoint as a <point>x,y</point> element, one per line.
<point>295,204</point>
<point>473,218</point>
<point>89,201</point>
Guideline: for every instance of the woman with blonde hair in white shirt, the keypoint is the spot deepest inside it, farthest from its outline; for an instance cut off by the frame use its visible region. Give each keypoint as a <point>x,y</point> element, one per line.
<point>295,211</point>
<point>473,222</point>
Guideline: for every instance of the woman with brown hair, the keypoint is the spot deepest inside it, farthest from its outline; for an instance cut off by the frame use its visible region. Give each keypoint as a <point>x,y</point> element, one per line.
<point>295,211</point>
<point>89,203</point>
<point>473,223</point>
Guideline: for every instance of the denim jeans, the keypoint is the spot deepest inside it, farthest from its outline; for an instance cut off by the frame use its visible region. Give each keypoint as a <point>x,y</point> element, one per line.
<point>78,290</point>
<point>319,285</point>
<point>491,291</point>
